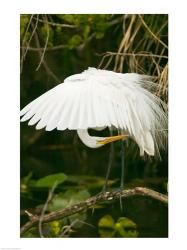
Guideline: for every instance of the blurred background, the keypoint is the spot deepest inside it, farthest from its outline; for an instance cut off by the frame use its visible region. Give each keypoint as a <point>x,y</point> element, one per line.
<point>52,48</point>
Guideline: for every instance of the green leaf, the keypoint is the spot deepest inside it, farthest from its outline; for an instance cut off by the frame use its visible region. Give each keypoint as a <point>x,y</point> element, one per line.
<point>106,226</point>
<point>126,228</point>
<point>127,223</point>
<point>106,221</point>
<point>68,18</point>
<point>74,41</point>
<point>50,180</point>
<point>106,232</point>
<point>89,181</point>
<point>70,197</point>
<point>55,228</point>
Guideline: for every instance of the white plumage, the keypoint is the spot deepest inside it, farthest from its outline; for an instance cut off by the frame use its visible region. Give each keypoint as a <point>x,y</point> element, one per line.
<point>100,98</point>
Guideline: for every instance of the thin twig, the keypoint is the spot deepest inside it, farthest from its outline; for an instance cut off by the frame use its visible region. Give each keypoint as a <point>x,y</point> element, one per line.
<point>102,197</point>
<point>146,54</point>
<point>23,42</point>
<point>157,69</point>
<point>109,61</point>
<point>149,30</point>
<point>57,24</point>
<point>68,227</point>
<point>48,70</point>
<point>133,55</point>
<point>50,195</point>
<point>61,46</point>
<point>34,30</point>
<point>46,42</point>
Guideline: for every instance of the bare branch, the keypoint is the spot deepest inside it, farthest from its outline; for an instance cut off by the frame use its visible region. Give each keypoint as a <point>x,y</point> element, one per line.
<point>102,197</point>
<point>57,24</point>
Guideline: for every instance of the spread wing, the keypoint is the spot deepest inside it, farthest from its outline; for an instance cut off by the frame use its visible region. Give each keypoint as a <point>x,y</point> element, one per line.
<point>99,98</point>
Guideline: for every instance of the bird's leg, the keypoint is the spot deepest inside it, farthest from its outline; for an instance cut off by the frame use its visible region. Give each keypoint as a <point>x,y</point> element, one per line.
<point>122,169</point>
<point>122,163</point>
<point>111,156</point>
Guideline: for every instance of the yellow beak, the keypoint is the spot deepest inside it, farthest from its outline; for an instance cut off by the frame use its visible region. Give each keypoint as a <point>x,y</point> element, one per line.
<point>112,139</point>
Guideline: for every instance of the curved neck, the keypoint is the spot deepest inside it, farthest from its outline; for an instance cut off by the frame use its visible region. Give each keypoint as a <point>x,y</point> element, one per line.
<point>89,141</point>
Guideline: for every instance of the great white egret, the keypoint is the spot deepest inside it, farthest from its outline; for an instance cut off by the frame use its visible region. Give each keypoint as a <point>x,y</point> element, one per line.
<point>98,99</point>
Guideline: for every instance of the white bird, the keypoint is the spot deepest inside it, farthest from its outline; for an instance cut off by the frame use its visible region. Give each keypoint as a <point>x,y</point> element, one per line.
<point>98,99</point>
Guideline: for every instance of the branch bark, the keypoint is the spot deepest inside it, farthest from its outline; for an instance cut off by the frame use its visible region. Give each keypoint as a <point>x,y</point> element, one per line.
<point>79,207</point>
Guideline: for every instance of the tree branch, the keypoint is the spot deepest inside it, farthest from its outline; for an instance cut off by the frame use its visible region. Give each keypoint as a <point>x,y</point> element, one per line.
<point>79,207</point>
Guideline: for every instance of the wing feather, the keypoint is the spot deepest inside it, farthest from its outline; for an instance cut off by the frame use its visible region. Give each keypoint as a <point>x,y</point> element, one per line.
<point>100,98</point>
<point>68,97</point>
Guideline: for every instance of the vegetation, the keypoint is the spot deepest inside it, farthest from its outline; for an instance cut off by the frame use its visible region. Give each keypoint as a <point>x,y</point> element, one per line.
<point>57,170</point>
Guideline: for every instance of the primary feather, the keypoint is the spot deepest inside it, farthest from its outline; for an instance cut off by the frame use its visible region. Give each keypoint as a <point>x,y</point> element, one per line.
<point>100,98</point>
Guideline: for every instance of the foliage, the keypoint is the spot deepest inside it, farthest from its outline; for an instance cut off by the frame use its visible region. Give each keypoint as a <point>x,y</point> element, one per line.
<point>123,227</point>
<point>50,180</point>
